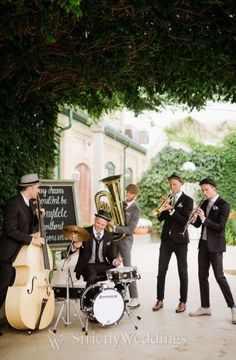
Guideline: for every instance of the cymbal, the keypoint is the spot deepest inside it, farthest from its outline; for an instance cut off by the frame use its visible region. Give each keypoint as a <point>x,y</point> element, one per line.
<point>75,233</point>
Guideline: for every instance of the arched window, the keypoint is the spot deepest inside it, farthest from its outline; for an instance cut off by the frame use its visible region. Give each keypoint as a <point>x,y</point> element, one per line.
<point>110,169</point>
<point>128,177</point>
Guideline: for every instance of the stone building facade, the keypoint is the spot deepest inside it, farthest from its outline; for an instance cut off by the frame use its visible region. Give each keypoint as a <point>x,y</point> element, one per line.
<point>91,152</point>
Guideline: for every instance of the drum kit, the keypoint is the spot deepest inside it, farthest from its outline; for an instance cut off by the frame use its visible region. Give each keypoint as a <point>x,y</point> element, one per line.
<point>100,303</point>
<point>106,305</point>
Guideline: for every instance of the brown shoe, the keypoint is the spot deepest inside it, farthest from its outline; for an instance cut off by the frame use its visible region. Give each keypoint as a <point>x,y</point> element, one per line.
<point>159,304</point>
<point>181,307</point>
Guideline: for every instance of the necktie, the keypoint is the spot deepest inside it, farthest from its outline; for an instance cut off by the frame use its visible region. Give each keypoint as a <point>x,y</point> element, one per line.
<point>208,208</point>
<point>125,206</point>
<point>98,240</point>
<point>174,200</point>
<point>209,205</point>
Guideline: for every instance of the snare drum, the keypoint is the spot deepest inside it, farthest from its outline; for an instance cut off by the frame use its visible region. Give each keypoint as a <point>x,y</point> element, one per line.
<point>123,274</point>
<point>106,305</point>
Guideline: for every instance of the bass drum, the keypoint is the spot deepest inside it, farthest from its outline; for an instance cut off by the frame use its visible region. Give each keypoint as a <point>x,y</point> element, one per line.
<point>103,304</point>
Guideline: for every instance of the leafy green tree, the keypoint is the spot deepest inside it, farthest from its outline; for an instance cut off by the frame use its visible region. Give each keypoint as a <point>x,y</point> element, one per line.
<point>226,177</point>
<point>154,182</point>
<point>215,161</point>
<point>101,55</point>
<point>26,146</point>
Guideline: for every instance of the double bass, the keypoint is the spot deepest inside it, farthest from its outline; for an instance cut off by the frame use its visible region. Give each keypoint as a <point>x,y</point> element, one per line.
<point>30,302</point>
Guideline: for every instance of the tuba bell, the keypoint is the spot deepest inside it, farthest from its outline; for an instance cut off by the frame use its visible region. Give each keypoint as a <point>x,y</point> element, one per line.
<point>111,202</point>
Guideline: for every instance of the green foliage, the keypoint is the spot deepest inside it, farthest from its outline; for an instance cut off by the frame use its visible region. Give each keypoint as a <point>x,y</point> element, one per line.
<point>28,144</point>
<point>230,234</point>
<point>102,55</point>
<point>154,182</point>
<point>71,6</point>
<point>186,131</point>
<point>107,54</point>
<point>219,162</point>
<point>226,177</point>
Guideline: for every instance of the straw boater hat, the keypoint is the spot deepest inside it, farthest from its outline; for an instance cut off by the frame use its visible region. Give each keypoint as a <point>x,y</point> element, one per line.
<point>29,179</point>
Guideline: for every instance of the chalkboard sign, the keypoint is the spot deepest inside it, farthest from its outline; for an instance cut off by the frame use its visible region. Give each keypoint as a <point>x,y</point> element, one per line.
<point>58,199</point>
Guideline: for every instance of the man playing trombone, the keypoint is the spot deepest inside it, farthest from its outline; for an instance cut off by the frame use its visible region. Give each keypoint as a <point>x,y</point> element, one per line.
<point>175,213</point>
<point>212,215</point>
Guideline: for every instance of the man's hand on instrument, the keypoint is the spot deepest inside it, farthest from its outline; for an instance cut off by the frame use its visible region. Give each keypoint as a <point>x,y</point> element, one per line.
<point>77,244</point>
<point>111,225</point>
<point>38,241</point>
<point>201,214</point>
<point>168,207</point>
<point>42,212</point>
<point>117,261</point>
<point>193,216</point>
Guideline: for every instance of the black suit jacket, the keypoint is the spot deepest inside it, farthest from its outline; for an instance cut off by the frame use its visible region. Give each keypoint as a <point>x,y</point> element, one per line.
<point>174,224</point>
<point>17,228</point>
<point>85,251</point>
<point>215,224</point>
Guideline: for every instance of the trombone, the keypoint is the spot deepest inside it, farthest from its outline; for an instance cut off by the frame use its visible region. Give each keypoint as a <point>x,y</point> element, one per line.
<point>166,200</point>
<point>191,216</point>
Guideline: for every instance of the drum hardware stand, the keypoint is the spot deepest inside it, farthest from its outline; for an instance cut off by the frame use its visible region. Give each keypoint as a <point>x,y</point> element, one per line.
<point>86,324</point>
<point>128,311</point>
<point>67,302</point>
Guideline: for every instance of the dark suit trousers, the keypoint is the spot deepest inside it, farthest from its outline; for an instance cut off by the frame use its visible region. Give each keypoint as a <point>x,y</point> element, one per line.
<point>205,259</point>
<point>7,277</point>
<point>93,271</point>
<point>167,247</point>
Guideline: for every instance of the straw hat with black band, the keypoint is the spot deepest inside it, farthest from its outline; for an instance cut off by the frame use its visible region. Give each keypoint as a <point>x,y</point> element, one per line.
<point>29,179</point>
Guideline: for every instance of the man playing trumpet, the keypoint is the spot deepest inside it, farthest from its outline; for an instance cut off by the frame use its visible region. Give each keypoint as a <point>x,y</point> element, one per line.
<point>175,214</point>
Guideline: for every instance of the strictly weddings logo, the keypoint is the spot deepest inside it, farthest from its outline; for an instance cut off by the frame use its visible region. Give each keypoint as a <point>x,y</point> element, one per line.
<point>58,340</point>
<point>128,338</point>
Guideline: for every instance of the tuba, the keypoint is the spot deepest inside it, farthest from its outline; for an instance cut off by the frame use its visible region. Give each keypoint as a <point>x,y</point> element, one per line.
<point>111,202</point>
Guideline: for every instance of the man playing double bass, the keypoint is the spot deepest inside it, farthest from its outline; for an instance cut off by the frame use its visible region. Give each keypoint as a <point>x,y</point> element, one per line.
<point>19,220</point>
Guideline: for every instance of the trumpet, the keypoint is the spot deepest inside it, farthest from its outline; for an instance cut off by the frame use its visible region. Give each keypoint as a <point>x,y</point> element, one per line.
<point>191,216</point>
<point>166,200</point>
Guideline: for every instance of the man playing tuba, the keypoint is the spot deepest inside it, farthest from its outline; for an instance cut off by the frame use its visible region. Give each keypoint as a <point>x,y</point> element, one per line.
<point>124,246</point>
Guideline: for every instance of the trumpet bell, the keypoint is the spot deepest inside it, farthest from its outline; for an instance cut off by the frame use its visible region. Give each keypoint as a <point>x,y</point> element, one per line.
<point>155,212</point>
<point>166,200</point>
